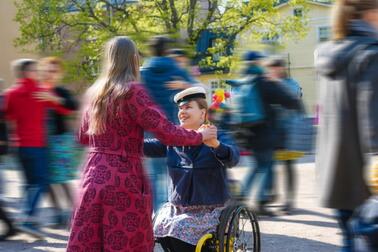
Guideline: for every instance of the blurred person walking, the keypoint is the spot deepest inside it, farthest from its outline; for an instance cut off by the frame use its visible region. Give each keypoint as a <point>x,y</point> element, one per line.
<point>10,227</point>
<point>348,102</point>
<point>261,137</point>
<point>276,68</point>
<point>114,210</point>
<point>162,77</point>
<point>28,116</point>
<point>61,143</point>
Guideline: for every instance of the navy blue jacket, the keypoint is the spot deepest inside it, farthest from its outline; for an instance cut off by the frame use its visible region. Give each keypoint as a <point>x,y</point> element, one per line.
<point>197,174</point>
<point>156,72</point>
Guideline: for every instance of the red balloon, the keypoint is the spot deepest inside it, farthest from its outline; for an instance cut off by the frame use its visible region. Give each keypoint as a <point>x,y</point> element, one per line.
<point>215,105</point>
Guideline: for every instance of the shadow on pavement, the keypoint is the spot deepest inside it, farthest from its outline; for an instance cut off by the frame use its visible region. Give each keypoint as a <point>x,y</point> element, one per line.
<point>301,211</point>
<point>56,236</point>
<point>283,243</point>
<point>22,245</point>
<point>305,222</point>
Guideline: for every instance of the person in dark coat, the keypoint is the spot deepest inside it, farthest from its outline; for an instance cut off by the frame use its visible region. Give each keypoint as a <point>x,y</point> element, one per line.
<point>162,77</point>
<point>262,137</point>
<point>348,103</point>
<point>277,70</point>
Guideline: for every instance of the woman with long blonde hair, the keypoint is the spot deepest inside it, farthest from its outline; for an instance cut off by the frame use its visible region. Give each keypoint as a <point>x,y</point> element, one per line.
<point>348,114</point>
<point>114,209</point>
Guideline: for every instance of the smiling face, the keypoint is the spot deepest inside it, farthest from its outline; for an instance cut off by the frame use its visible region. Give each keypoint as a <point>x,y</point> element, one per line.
<point>192,114</point>
<point>51,73</point>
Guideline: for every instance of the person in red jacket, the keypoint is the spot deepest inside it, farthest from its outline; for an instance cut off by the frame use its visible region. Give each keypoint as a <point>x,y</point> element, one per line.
<point>26,105</point>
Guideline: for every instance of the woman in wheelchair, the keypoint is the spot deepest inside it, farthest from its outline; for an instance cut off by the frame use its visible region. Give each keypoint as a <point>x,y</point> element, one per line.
<point>198,178</point>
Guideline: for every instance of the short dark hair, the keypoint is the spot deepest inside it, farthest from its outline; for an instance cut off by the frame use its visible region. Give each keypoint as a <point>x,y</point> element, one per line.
<point>275,62</point>
<point>20,66</point>
<point>159,45</point>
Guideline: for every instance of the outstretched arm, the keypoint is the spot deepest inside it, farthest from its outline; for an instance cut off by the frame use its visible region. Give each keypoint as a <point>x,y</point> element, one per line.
<point>147,115</point>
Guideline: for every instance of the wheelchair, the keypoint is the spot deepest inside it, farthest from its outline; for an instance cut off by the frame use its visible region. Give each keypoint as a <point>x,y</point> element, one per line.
<point>237,231</point>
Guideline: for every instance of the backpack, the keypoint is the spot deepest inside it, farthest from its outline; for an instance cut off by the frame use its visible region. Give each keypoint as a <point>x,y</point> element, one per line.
<point>246,102</point>
<point>247,109</point>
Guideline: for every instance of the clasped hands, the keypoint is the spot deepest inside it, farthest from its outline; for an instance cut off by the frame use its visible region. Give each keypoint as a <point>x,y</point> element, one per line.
<point>209,135</point>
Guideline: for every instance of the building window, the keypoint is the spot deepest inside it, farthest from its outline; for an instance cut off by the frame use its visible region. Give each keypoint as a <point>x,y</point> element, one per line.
<point>298,12</point>
<point>271,40</point>
<point>215,84</point>
<point>324,33</point>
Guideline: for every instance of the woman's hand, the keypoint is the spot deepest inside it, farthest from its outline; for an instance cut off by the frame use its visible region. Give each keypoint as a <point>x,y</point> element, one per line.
<point>48,96</point>
<point>213,142</point>
<point>208,132</point>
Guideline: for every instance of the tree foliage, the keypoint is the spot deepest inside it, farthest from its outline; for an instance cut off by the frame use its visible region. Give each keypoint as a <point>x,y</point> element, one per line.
<point>77,29</point>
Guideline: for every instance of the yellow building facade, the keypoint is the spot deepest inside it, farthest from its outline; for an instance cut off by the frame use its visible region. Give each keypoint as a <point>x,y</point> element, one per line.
<point>9,31</point>
<point>300,53</point>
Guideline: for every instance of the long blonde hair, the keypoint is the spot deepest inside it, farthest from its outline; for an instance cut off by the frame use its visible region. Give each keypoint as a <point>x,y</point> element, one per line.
<point>120,67</point>
<point>346,10</point>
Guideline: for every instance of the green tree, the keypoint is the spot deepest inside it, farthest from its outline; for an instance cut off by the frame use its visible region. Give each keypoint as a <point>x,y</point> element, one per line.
<point>77,29</point>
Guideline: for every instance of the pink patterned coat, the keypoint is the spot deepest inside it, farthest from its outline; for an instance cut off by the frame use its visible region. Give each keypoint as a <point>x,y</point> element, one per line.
<point>115,204</point>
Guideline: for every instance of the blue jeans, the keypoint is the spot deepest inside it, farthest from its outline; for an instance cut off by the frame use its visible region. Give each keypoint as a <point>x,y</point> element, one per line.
<point>34,163</point>
<point>264,171</point>
<point>158,174</point>
<point>343,217</point>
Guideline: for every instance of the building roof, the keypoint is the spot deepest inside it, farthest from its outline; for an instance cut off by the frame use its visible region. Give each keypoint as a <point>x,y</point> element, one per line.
<point>327,3</point>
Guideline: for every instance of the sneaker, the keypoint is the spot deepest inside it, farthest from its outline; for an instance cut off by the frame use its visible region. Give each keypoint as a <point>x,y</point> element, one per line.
<point>29,228</point>
<point>263,211</point>
<point>287,209</point>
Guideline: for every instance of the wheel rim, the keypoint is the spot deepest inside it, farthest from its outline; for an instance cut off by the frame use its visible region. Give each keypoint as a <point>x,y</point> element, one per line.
<point>243,233</point>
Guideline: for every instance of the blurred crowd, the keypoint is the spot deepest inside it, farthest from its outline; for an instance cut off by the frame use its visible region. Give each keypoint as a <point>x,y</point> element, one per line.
<point>186,143</point>
<point>36,130</point>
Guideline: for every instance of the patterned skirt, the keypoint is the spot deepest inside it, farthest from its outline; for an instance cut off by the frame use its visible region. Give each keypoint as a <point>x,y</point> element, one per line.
<point>63,158</point>
<point>188,224</point>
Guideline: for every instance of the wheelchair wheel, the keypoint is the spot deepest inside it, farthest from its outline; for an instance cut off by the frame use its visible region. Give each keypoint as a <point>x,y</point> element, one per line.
<point>238,230</point>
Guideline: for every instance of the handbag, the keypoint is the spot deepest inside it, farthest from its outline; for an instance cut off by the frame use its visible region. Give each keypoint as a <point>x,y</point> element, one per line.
<point>301,134</point>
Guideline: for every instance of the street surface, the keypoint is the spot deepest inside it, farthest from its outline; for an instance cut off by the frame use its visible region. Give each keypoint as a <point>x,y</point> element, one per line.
<point>309,228</point>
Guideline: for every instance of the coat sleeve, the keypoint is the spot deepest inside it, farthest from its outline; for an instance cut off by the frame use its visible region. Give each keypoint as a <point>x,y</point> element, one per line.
<point>148,116</point>
<point>367,104</point>
<point>227,152</point>
<point>153,148</point>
